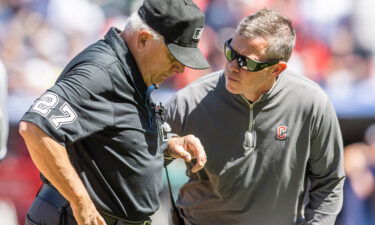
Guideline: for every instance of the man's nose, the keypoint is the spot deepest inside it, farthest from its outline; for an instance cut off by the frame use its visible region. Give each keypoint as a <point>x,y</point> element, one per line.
<point>233,66</point>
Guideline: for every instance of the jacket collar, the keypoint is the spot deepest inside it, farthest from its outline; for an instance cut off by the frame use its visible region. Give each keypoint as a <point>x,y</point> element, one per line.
<point>274,91</point>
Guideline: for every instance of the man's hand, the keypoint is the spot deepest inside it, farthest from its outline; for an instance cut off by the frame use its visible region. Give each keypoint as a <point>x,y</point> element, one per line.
<point>188,147</point>
<point>85,213</point>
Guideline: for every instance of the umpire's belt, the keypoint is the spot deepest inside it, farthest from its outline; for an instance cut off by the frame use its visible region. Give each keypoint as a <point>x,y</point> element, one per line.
<point>52,196</point>
<point>113,220</point>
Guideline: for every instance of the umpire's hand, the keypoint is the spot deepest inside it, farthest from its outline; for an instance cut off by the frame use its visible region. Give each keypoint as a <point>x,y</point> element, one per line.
<point>85,213</point>
<point>187,148</point>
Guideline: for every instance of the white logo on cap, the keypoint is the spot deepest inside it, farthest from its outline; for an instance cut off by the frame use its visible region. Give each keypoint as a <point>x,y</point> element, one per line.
<point>198,33</point>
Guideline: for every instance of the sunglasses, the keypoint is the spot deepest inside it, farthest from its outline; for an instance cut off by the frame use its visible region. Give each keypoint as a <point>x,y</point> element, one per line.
<point>243,61</point>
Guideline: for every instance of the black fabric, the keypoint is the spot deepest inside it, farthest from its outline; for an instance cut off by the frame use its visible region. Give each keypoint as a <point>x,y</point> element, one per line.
<point>100,110</point>
<point>51,195</point>
<point>111,220</point>
<point>50,208</point>
<point>181,23</point>
<point>190,57</point>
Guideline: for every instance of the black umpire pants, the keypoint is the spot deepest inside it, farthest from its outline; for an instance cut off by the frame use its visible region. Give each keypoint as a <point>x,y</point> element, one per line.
<point>51,208</point>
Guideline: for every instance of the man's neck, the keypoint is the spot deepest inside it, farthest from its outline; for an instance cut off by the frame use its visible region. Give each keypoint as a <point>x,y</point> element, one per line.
<point>253,96</point>
<point>130,42</point>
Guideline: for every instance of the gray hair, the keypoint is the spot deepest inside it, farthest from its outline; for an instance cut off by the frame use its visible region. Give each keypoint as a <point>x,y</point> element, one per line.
<point>274,28</point>
<point>135,24</point>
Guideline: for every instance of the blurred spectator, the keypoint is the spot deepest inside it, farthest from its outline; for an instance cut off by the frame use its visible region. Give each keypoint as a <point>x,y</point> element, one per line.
<point>81,18</point>
<point>3,112</point>
<point>363,23</point>
<point>218,15</point>
<point>360,187</point>
<point>321,17</point>
<point>370,135</point>
<point>8,213</point>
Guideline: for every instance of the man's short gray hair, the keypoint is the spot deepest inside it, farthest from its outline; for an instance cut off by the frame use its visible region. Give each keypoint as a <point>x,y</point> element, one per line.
<point>135,23</point>
<point>273,27</point>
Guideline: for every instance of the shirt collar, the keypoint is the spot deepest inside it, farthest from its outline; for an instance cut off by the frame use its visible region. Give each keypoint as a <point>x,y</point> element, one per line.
<point>120,47</point>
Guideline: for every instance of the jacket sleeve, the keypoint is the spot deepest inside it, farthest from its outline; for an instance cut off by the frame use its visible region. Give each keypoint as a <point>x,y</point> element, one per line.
<point>175,115</point>
<point>325,170</point>
<point>173,119</point>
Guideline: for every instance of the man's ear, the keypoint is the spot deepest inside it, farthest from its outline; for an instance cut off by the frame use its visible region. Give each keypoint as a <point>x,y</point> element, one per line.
<point>279,68</point>
<point>144,37</point>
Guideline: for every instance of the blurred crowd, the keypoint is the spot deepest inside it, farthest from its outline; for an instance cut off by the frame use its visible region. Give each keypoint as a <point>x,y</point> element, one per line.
<point>335,47</point>
<point>335,42</point>
<point>359,189</point>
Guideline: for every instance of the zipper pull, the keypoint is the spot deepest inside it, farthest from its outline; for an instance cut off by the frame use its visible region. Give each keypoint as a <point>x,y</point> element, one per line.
<point>249,140</point>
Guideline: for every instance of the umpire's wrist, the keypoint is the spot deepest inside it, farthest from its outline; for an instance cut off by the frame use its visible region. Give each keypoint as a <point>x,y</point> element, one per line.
<point>167,154</point>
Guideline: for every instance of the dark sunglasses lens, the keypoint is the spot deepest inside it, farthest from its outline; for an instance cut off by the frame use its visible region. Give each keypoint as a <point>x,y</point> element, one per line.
<point>228,53</point>
<point>251,65</point>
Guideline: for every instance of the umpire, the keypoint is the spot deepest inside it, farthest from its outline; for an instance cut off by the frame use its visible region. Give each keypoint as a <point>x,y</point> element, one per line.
<point>97,137</point>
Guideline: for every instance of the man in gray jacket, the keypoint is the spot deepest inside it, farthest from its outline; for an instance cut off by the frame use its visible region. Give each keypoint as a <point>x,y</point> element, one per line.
<point>267,132</point>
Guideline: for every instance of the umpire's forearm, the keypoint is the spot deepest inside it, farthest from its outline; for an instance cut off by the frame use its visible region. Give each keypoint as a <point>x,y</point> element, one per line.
<point>52,160</point>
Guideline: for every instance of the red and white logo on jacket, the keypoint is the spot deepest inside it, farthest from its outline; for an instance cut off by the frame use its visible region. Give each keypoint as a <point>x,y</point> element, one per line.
<point>281,132</point>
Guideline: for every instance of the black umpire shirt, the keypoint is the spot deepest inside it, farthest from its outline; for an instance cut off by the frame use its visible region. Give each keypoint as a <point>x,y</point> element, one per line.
<point>99,109</point>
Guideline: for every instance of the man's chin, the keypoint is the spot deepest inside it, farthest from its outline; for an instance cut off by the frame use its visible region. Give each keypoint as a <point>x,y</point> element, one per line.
<point>232,89</point>
<point>161,80</point>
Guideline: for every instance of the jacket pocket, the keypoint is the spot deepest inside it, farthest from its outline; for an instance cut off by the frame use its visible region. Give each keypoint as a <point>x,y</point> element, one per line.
<point>29,221</point>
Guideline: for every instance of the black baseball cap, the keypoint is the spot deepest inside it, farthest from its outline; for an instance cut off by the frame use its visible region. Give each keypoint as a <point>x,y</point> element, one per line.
<point>180,22</point>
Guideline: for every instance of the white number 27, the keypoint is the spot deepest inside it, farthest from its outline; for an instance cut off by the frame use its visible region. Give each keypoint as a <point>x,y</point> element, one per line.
<point>47,102</point>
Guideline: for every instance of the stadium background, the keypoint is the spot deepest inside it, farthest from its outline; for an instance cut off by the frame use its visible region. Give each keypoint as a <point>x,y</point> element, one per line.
<point>335,47</point>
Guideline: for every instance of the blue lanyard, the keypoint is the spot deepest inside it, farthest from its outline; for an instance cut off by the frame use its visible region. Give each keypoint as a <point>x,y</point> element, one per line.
<point>148,103</point>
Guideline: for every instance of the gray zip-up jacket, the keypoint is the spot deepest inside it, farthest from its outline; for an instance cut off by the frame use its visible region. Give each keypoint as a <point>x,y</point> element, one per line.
<point>261,155</point>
